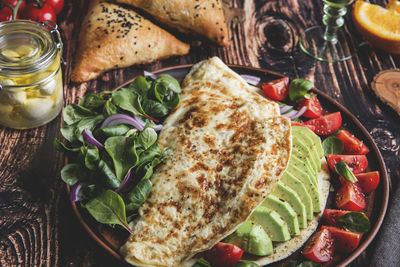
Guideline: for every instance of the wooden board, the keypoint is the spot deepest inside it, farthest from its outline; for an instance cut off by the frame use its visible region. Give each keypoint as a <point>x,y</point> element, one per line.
<point>37,226</point>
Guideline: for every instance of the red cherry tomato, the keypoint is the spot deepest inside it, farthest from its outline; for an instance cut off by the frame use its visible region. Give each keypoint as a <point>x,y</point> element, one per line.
<point>311,127</point>
<point>352,145</point>
<point>345,241</point>
<point>350,197</point>
<point>223,255</point>
<point>319,247</point>
<point>33,12</point>
<point>314,108</point>
<point>356,163</point>
<point>277,89</point>
<point>6,14</point>
<point>368,181</point>
<point>13,3</point>
<point>57,5</point>
<point>327,124</point>
<point>332,215</point>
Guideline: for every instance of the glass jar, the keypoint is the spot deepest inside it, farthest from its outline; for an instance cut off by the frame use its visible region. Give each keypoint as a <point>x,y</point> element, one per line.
<point>31,90</point>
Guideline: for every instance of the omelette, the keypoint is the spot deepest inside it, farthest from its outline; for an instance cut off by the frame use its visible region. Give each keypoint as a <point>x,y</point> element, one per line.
<point>227,147</point>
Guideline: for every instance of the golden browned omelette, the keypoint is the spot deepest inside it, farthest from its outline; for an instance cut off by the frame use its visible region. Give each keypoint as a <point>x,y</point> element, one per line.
<point>227,148</point>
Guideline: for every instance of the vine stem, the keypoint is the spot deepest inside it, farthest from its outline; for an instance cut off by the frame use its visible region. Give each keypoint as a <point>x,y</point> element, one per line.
<point>15,9</point>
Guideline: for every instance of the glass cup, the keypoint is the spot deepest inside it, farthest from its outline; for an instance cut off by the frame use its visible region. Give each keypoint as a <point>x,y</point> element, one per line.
<point>330,42</point>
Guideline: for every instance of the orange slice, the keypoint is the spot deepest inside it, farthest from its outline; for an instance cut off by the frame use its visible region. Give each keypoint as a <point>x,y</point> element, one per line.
<point>393,5</point>
<point>378,25</point>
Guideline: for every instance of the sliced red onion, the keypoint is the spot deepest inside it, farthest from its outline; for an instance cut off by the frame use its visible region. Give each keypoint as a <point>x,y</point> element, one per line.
<point>117,119</point>
<point>125,182</point>
<point>158,127</point>
<point>88,135</point>
<point>294,114</point>
<point>152,75</point>
<point>76,194</point>
<point>253,80</point>
<point>300,113</point>
<point>285,109</point>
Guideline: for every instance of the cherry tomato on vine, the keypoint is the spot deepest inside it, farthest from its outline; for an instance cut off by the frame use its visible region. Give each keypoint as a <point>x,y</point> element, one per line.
<point>34,12</point>
<point>5,14</point>
<point>57,5</point>
<point>13,3</point>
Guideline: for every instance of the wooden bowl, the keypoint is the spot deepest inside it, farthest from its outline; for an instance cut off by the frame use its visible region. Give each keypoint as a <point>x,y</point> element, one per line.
<point>111,239</point>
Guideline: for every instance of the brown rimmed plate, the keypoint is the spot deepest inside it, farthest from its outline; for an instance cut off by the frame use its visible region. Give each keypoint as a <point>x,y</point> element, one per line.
<point>111,239</point>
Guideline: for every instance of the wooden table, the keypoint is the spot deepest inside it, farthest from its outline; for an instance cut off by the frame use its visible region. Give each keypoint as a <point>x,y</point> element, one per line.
<point>37,226</point>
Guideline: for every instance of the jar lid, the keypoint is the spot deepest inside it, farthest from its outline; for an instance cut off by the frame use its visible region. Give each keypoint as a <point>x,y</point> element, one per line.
<point>25,46</point>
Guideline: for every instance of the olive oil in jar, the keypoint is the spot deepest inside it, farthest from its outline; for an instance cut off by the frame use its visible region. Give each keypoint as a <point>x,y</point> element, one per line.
<point>31,92</point>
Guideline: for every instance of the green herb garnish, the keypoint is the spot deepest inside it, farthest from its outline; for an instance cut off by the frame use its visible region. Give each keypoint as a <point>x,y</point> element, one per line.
<point>343,170</point>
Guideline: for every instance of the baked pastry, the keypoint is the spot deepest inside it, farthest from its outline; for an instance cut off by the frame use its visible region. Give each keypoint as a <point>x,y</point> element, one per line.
<point>113,36</point>
<point>205,18</point>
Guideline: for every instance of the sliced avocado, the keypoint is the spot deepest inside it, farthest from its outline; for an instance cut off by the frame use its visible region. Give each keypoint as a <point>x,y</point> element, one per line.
<point>308,142</point>
<point>292,182</point>
<point>276,228</point>
<point>303,165</point>
<point>285,211</point>
<point>299,148</point>
<point>251,237</point>
<point>290,196</point>
<point>309,184</point>
<point>315,138</point>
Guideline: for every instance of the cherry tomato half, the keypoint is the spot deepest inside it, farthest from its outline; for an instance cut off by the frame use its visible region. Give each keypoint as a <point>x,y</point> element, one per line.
<point>311,127</point>
<point>327,124</point>
<point>356,163</point>
<point>332,215</point>
<point>345,241</point>
<point>320,247</point>
<point>57,5</point>
<point>368,181</point>
<point>6,14</point>
<point>277,89</point>
<point>314,108</point>
<point>350,197</point>
<point>33,12</point>
<point>223,255</point>
<point>352,145</point>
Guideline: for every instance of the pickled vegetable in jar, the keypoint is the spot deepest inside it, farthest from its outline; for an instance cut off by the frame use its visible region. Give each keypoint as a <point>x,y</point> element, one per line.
<point>31,90</point>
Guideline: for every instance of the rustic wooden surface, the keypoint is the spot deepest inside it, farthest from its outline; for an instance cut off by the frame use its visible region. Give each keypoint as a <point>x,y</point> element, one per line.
<point>37,226</point>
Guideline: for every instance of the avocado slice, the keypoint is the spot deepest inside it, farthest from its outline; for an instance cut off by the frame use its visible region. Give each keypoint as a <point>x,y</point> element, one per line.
<point>276,228</point>
<point>312,148</point>
<point>251,237</point>
<point>299,130</point>
<point>299,148</point>
<point>303,165</point>
<point>309,185</point>
<point>290,196</point>
<point>292,182</point>
<point>285,211</point>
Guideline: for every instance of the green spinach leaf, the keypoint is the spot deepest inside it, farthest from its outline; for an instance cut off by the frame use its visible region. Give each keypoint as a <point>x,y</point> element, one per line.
<point>92,101</point>
<point>343,170</point>
<point>123,153</point>
<point>246,264</point>
<point>147,137</point>
<point>332,145</point>
<point>92,158</point>
<point>109,108</point>
<point>72,173</point>
<point>108,208</point>
<point>139,194</point>
<point>117,130</point>
<point>154,108</point>
<point>298,88</point>
<point>169,82</point>
<point>355,222</point>
<point>74,113</point>
<point>60,146</point>
<point>125,99</point>
<point>202,262</point>
<point>108,176</point>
